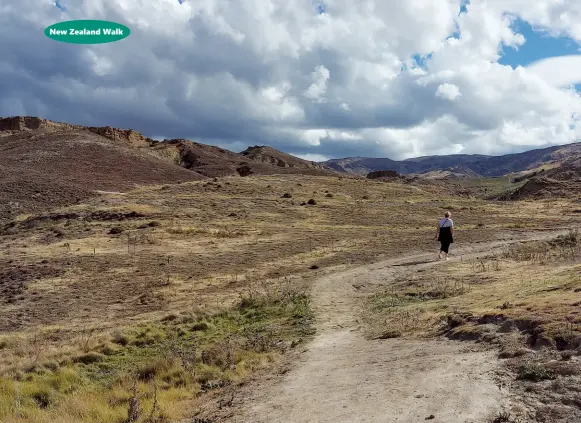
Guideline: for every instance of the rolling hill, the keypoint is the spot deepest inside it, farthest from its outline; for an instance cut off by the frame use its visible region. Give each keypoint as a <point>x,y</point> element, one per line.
<point>46,164</point>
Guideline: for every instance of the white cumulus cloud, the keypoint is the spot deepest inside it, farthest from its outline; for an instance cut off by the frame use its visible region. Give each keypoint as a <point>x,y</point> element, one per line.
<point>558,71</point>
<point>318,88</point>
<point>448,91</point>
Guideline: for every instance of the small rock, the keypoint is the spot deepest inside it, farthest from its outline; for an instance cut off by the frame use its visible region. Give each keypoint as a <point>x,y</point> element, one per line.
<point>430,417</point>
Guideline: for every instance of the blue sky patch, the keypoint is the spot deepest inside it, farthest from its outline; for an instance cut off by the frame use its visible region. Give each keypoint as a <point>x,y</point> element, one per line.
<point>463,7</point>
<point>422,59</point>
<point>538,45</point>
<point>320,7</point>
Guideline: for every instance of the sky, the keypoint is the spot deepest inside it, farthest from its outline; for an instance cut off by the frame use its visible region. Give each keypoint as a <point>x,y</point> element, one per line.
<point>318,79</point>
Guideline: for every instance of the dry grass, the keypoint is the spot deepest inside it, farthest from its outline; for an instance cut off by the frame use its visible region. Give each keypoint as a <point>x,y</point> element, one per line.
<point>83,283</point>
<point>523,301</point>
<point>534,286</point>
<point>164,365</point>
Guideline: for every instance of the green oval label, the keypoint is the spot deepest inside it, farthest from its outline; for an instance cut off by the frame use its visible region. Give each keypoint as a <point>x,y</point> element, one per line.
<point>87,32</point>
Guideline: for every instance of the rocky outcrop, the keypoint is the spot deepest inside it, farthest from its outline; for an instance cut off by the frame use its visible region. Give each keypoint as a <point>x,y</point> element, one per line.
<point>273,157</point>
<point>540,187</point>
<point>382,174</point>
<point>30,123</point>
<point>129,136</point>
<point>15,124</point>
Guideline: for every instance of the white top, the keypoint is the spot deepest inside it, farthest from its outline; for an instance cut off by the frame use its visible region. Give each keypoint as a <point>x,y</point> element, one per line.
<point>446,223</point>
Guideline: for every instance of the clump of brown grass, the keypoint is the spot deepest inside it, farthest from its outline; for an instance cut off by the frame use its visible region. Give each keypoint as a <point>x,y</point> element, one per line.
<point>211,232</point>
<point>536,252</point>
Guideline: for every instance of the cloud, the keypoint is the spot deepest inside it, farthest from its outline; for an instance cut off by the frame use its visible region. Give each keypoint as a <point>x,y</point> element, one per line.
<point>448,91</point>
<point>559,71</point>
<point>378,78</point>
<point>318,88</point>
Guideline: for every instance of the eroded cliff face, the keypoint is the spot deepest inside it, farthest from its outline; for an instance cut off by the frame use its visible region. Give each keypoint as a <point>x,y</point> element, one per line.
<point>129,136</point>
<point>15,124</point>
<point>28,123</point>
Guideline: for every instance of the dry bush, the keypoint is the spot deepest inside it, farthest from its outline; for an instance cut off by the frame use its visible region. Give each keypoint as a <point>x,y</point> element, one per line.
<point>504,417</point>
<point>220,355</point>
<point>260,339</point>
<point>186,354</point>
<point>481,265</point>
<point>536,252</point>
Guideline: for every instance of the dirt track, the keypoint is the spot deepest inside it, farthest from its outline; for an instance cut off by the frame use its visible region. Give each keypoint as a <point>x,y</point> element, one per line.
<point>343,377</point>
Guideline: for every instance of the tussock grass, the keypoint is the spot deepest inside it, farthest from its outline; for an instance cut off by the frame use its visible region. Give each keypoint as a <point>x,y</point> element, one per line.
<point>168,363</point>
<point>205,231</point>
<point>534,287</point>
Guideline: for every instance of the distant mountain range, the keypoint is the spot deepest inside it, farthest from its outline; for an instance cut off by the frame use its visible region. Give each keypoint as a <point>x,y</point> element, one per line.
<point>460,164</point>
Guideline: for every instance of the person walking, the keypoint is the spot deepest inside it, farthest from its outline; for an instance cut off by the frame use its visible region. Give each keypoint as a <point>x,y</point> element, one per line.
<point>445,234</point>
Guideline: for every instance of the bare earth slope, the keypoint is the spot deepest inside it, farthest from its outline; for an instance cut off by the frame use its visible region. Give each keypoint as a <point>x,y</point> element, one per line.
<point>46,164</point>
<point>42,170</point>
<point>562,180</point>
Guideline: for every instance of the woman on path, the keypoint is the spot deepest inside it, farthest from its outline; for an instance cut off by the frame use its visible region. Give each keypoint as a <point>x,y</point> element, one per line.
<point>445,234</point>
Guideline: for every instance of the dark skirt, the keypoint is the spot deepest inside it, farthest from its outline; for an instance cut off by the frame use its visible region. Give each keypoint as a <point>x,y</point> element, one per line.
<point>445,236</point>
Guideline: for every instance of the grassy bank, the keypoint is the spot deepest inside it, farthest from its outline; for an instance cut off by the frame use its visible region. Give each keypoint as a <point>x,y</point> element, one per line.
<point>533,287</point>
<point>523,301</point>
<point>151,373</point>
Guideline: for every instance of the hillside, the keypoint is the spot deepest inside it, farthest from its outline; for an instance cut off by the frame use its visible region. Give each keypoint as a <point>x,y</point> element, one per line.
<point>46,164</point>
<point>559,181</point>
<point>473,164</point>
<point>216,162</point>
<point>265,154</point>
<point>451,173</point>
<point>195,295</point>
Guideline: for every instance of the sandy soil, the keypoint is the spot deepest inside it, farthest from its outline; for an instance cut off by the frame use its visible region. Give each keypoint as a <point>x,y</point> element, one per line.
<point>343,377</point>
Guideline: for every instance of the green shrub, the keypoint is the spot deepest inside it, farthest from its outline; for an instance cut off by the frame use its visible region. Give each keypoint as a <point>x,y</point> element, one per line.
<point>534,372</point>
<point>89,358</point>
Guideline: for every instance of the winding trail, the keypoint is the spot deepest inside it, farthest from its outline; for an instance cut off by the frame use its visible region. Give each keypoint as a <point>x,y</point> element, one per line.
<point>343,377</point>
